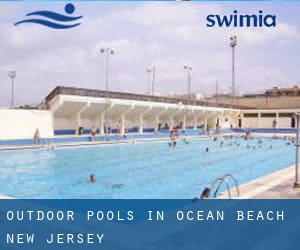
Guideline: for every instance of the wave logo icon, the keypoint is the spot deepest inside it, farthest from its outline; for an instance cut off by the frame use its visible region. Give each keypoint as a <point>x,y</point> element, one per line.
<point>53,20</point>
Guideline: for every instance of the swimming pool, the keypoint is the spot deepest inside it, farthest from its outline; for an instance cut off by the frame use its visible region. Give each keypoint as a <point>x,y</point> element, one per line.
<point>147,170</point>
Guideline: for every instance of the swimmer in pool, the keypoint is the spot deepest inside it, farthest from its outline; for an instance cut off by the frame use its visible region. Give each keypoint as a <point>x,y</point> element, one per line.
<point>117,185</point>
<point>185,141</point>
<point>93,178</point>
<point>205,193</point>
<point>207,149</point>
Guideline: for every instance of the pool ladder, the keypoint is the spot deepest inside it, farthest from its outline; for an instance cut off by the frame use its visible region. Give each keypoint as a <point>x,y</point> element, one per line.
<point>223,180</point>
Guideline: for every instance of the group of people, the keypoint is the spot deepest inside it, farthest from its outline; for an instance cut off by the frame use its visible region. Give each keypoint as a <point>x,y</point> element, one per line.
<point>106,130</point>
<point>258,143</point>
<point>174,135</point>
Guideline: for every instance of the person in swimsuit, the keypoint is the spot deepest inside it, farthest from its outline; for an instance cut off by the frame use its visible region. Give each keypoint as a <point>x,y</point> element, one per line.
<point>93,178</point>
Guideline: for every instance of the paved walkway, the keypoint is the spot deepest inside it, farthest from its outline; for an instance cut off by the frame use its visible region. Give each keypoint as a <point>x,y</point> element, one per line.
<point>278,185</point>
<point>98,142</point>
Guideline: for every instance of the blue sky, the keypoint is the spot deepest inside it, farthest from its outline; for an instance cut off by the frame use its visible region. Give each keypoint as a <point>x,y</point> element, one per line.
<point>167,35</point>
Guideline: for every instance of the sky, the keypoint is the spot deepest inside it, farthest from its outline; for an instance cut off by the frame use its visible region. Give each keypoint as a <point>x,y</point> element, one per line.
<point>144,34</point>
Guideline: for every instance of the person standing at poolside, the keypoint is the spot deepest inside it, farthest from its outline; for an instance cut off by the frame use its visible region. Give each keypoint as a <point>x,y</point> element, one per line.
<point>172,134</point>
<point>119,127</point>
<point>36,137</point>
<point>274,124</point>
<point>104,128</point>
<point>93,131</point>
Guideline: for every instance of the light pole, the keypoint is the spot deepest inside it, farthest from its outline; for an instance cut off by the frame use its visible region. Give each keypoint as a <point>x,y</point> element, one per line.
<point>153,79</point>
<point>217,91</point>
<point>149,72</point>
<point>153,72</point>
<point>188,69</point>
<point>107,51</point>
<point>12,75</point>
<point>297,181</point>
<point>233,44</point>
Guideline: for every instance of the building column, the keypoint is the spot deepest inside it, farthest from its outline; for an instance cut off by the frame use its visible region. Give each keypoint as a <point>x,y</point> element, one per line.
<point>101,128</point>
<point>78,122</point>
<point>218,121</point>
<point>156,122</point>
<point>123,120</point>
<point>141,119</point>
<point>205,123</point>
<point>54,108</point>
<point>258,119</point>
<point>157,118</point>
<point>77,116</point>
<point>184,122</point>
<point>242,119</point>
<point>141,124</point>
<point>171,122</point>
<point>195,122</point>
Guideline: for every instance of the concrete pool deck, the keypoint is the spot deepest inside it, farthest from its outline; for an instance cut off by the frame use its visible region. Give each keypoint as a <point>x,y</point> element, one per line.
<point>100,142</point>
<point>277,185</point>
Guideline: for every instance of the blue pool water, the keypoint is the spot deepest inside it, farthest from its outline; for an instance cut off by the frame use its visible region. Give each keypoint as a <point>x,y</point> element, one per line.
<point>147,170</point>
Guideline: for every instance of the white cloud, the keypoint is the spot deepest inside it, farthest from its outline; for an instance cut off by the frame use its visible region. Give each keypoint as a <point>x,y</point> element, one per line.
<point>167,35</point>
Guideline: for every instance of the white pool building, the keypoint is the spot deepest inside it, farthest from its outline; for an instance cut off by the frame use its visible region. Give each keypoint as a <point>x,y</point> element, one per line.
<point>71,111</point>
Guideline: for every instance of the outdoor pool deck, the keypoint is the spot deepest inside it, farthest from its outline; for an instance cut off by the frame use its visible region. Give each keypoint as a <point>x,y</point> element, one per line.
<point>97,142</point>
<point>87,139</point>
<point>278,185</point>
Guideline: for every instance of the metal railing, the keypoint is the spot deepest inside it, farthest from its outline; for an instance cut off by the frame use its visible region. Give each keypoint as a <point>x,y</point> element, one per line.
<point>220,182</point>
<point>60,90</point>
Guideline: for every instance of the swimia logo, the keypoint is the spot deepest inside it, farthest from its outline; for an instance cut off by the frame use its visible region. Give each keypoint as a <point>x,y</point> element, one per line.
<point>241,20</point>
<point>52,19</point>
